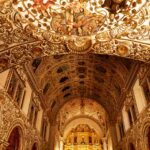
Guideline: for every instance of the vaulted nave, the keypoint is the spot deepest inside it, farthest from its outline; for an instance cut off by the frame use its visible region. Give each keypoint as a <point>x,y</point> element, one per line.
<point>74,74</point>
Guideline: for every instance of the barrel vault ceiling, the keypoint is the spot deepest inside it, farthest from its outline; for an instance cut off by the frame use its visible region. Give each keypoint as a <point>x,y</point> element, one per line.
<point>76,48</point>
<point>61,78</point>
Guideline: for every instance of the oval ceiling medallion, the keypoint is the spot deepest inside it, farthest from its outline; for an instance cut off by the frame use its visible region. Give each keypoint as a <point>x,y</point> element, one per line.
<point>79,46</point>
<point>122,50</point>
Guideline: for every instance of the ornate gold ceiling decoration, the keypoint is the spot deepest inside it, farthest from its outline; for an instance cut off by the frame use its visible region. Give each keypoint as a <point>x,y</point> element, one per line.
<point>77,17</point>
<point>35,28</point>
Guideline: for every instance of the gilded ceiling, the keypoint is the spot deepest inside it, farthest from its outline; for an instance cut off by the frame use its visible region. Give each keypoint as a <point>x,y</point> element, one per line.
<point>62,78</point>
<point>35,28</point>
<point>73,47</point>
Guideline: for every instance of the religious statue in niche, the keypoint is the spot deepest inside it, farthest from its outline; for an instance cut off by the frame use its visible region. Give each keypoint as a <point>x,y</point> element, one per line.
<point>82,142</point>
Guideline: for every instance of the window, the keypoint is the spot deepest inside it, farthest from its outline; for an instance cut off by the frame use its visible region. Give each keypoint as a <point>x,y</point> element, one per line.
<point>146,89</point>
<point>63,79</point>
<point>33,112</point>
<point>16,89</point>
<point>62,69</point>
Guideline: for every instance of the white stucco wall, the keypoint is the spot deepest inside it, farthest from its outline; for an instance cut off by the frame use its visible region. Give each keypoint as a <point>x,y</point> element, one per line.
<point>139,96</point>
<point>125,119</point>
<point>27,99</point>
<point>39,120</point>
<point>3,78</point>
<point>118,133</point>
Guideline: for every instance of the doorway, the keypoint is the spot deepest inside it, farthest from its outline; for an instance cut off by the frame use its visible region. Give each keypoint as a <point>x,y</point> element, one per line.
<point>14,140</point>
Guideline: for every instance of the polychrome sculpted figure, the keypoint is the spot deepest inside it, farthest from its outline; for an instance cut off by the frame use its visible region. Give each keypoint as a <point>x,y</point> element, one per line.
<point>43,5</point>
<point>114,5</point>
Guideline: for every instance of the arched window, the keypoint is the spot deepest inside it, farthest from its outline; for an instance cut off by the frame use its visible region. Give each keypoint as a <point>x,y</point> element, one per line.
<point>34,147</point>
<point>16,89</point>
<point>14,140</point>
<point>63,79</point>
<point>131,146</point>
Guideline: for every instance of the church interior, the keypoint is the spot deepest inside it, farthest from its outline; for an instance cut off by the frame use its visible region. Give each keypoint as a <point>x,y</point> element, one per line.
<point>74,74</point>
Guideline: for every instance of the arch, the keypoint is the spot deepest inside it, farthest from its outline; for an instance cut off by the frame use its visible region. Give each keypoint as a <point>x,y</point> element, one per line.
<point>14,139</point>
<point>55,113</point>
<point>145,132</point>
<point>131,147</point>
<point>35,146</point>
<point>77,121</point>
<point>17,124</point>
<point>147,137</point>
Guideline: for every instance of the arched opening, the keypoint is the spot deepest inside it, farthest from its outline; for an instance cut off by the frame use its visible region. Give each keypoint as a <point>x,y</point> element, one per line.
<point>34,147</point>
<point>131,146</point>
<point>14,140</point>
<point>148,138</point>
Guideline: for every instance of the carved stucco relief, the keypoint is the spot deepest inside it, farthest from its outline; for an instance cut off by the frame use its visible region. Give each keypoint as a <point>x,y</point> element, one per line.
<point>11,117</point>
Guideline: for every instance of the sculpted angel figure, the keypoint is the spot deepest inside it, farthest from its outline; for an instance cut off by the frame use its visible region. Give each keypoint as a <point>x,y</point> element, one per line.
<point>41,4</point>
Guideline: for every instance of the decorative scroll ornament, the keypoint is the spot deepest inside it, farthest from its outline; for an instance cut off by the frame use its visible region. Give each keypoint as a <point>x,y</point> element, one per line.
<point>79,46</point>
<point>77,17</point>
<point>36,28</point>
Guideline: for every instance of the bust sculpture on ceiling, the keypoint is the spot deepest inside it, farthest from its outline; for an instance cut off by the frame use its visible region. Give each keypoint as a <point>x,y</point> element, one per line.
<point>114,5</point>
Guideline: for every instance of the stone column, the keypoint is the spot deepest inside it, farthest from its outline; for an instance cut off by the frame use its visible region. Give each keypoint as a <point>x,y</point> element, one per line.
<point>113,134</point>
<point>104,140</point>
<point>61,144</point>
<point>52,136</point>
